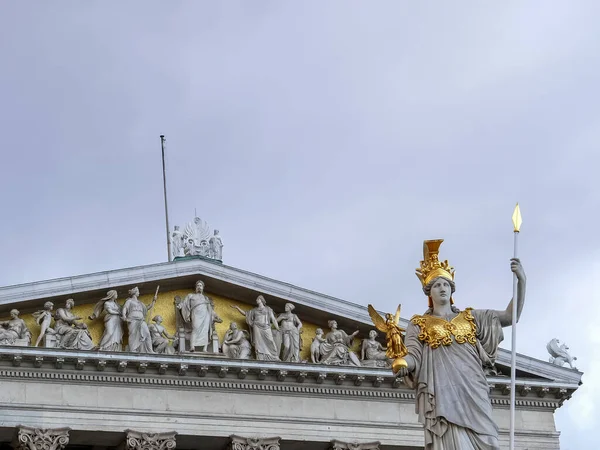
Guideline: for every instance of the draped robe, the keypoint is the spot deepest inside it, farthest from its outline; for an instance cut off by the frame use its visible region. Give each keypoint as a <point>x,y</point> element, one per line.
<point>452,393</point>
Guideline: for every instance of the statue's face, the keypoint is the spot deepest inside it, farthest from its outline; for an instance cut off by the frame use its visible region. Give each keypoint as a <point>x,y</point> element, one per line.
<point>333,325</point>
<point>260,301</point>
<point>372,334</point>
<point>233,326</point>
<point>70,304</point>
<point>441,291</point>
<point>199,288</point>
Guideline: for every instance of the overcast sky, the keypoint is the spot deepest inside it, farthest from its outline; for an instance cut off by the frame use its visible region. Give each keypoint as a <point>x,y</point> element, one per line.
<point>326,140</point>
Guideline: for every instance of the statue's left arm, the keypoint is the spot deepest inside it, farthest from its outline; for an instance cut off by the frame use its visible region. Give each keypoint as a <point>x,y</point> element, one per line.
<point>506,315</point>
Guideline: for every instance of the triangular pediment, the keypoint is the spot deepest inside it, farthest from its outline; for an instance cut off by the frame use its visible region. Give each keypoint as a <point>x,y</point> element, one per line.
<point>227,286</point>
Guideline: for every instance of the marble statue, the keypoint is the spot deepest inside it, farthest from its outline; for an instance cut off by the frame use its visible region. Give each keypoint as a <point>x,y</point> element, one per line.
<point>196,240</point>
<point>559,354</point>
<point>260,321</point>
<point>161,340</point>
<point>236,344</point>
<point>290,334</point>
<point>43,318</point>
<point>177,243</point>
<point>69,331</point>
<point>315,346</point>
<point>134,313</point>
<point>216,246</point>
<point>336,348</point>
<point>14,331</point>
<point>448,351</point>
<point>112,337</point>
<point>373,353</point>
<point>197,309</point>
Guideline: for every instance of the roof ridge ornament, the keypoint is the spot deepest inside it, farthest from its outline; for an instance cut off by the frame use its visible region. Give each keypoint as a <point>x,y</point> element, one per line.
<point>196,239</point>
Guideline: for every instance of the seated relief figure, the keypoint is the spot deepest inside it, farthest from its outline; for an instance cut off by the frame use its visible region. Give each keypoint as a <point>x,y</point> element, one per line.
<point>260,320</point>
<point>112,338</point>
<point>236,344</point>
<point>43,319</point>
<point>336,348</point>
<point>14,331</point>
<point>449,351</point>
<point>373,353</point>
<point>69,332</point>
<point>161,340</point>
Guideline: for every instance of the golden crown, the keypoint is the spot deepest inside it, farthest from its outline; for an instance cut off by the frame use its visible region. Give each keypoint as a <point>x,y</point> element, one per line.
<point>431,267</point>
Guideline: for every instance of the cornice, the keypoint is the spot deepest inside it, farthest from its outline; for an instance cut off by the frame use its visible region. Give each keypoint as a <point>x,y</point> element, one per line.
<point>192,372</point>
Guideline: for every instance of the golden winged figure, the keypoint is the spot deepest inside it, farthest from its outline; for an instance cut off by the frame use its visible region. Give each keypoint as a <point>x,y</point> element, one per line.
<point>396,349</point>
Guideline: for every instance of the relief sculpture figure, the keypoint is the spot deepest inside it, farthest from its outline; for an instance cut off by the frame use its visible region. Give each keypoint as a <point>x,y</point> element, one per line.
<point>43,318</point>
<point>449,351</point>
<point>134,313</point>
<point>373,353</point>
<point>14,331</point>
<point>336,348</point>
<point>236,344</point>
<point>260,320</point>
<point>197,310</point>
<point>112,337</point>
<point>70,332</point>
<point>161,340</point>
<point>291,339</point>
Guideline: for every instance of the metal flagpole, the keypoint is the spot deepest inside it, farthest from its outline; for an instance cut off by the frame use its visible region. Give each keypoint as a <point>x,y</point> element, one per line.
<point>162,146</point>
<point>516,218</point>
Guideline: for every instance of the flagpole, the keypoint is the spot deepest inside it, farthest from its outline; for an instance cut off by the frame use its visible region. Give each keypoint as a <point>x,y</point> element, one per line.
<point>516,218</point>
<point>162,146</point>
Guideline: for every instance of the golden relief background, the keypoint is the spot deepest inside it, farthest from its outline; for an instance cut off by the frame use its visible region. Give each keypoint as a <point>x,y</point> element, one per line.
<point>165,307</point>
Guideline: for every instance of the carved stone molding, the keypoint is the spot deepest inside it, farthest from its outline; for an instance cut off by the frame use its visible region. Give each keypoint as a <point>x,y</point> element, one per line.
<point>244,443</point>
<point>340,445</point>
<point>41,439</point>
<point>137,440</point>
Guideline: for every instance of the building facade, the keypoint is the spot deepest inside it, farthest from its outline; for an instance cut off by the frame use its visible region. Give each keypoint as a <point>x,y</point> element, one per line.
<point>221,396</point>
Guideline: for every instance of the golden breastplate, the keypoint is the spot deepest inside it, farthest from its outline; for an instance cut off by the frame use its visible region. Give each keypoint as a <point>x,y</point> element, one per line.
<point>436,331</point>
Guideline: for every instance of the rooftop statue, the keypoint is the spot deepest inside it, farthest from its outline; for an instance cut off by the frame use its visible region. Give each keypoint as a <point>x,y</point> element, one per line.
<point>559,354</point>
<point>448,353</point>
<point>196,240</point>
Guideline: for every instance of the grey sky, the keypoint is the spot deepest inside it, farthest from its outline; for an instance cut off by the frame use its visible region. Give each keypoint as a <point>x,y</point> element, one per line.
<point>325,140</point>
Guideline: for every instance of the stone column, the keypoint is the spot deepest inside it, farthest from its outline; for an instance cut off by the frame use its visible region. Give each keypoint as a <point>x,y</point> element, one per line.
<point>138,440</point>
<point>243,443</point>
<point>41,439</point>
<point>340,445</point>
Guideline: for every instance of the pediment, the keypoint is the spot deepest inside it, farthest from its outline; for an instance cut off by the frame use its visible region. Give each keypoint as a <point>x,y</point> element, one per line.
<point>227,286</point>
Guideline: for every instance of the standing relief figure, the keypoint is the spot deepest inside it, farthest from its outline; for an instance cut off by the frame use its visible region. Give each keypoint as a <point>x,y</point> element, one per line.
<point>112,337</point>
<point>70,332</point>
<point>134,314</point>
<point>260,320</point>
<point>290,330</point>
<point>197,310</point>
<point>236,344</point>
<point>43,318</point>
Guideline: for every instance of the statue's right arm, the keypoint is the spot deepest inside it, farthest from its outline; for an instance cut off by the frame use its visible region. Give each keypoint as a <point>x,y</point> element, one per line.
<point>242,312</point>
